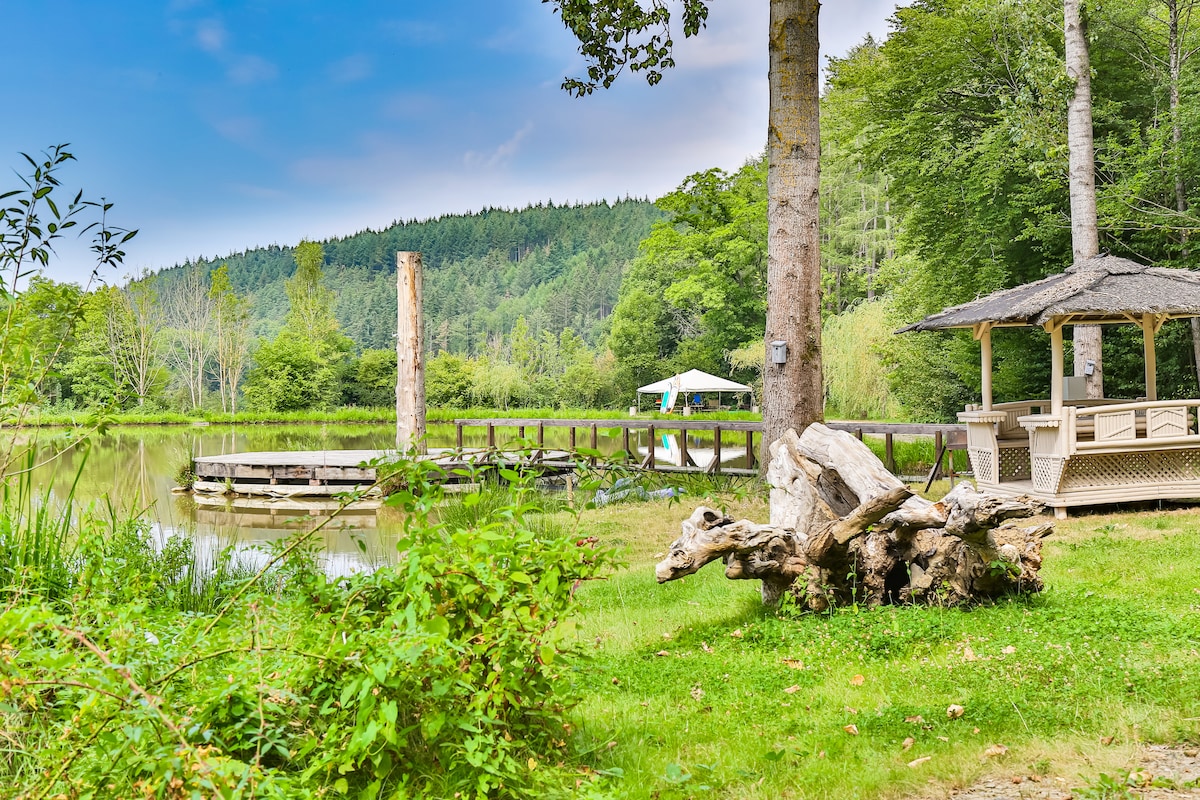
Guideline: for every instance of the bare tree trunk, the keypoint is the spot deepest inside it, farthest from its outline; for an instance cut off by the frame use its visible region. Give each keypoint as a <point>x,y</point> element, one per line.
<point>793,392</point>
<point>1175,67</point>
<point>1085,240</point>
<point>410,355</point>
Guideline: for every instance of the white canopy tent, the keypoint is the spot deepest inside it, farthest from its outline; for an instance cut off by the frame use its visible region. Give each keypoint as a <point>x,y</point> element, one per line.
<point>694,382</point>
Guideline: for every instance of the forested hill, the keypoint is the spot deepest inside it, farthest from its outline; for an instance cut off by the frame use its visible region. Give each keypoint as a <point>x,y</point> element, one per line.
<point>559,266</point>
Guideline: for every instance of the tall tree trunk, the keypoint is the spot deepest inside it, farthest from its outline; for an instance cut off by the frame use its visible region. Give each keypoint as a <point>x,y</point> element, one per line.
<point>1175,67</point>
<point>793,392</point>
<point>1085,240</point>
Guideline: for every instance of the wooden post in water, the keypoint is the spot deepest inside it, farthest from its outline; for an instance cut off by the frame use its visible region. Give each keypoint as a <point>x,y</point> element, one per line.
<point>410,356</point>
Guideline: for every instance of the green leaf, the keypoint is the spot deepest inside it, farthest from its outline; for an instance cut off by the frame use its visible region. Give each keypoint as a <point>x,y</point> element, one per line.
<point>438,626</point>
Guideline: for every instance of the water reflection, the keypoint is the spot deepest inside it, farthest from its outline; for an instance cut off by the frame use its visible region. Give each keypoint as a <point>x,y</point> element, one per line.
<point>133,470</point>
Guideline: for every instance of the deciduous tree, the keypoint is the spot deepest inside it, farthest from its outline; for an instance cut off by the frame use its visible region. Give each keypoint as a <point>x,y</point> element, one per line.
<point>614,34</point>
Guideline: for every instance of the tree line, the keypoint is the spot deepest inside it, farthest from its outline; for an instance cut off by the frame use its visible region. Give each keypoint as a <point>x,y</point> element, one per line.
<point>944,177</point>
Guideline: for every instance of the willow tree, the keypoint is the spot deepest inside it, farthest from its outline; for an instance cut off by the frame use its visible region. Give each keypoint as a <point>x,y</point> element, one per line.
<point>614,34</point>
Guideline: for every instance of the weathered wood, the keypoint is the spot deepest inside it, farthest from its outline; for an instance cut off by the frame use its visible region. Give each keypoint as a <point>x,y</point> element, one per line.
<point>844,529</point>
<point>410,363</point>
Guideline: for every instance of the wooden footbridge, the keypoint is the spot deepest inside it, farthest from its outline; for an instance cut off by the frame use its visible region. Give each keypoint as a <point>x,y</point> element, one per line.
<point>715,447</point>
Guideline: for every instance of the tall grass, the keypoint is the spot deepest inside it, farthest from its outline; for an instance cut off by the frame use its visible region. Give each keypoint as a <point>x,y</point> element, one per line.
<point>38,548</point>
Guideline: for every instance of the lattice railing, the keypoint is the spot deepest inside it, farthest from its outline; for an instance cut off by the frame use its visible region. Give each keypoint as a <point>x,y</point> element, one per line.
<point>1014,464</point>
<point>1131,469</point>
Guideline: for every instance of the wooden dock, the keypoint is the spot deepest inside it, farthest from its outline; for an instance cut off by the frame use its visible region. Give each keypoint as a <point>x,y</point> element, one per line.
<point>731,451</point>
<point>324,473</point>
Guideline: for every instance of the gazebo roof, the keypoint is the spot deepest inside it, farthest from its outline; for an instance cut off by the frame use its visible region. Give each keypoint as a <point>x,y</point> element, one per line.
<point>1099,289</point>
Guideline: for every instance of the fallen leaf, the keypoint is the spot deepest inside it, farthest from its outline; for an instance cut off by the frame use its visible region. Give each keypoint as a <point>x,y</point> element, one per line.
<point>795,687</point>
<point>857,680</point>
<point>662,653</point>
<point>821,754</point>
<point>1008,651</point>
<point>1017,779</point>
<point>975,731</point>
<point>532,765</point>
<point>851,729</point>
<point>616,681</point>
<point>916,762</point>
<point>666,635</point>
<point>1107,740</point>
<point>968,654</point>
<point>908,743</point>
<point>917,720</point>
<point>943,738</point>
<point>737,634</point>
<point>1141,777</point>
<point>704,646</point>
<point>697,693</point>
<point>995,750</point>
<point>611,745</point>
<point>955,711</point>
<point>793,663</point>
<point>850,710</point>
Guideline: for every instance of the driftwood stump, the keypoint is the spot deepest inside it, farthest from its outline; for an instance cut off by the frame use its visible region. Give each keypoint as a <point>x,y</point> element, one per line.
<point>843,529</point>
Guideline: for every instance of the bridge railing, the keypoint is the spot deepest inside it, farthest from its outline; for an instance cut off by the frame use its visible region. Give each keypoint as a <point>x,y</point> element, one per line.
<point>946,438</point>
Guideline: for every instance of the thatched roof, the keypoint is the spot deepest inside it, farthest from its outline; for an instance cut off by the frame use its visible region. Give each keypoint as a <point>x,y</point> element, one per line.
<point>1100,289</point>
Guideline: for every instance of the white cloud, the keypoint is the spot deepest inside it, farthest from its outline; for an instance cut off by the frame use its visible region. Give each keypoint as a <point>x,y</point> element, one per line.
<point>239,130</point>
<point>258,192</point>
<point>414,31</point>
<point>501,155</point>
<point>351,69</point>
<point>250,69</point>
<point>211,36</point>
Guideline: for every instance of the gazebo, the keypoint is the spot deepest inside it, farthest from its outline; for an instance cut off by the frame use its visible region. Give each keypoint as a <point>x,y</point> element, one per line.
<point>692,382</point>
<point>1075,452</point>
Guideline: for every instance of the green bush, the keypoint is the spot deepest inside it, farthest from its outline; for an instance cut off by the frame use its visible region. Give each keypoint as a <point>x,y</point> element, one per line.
<point>449,673</point>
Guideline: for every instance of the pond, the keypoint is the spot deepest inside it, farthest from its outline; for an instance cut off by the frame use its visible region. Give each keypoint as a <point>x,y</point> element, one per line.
<point>134,469</point>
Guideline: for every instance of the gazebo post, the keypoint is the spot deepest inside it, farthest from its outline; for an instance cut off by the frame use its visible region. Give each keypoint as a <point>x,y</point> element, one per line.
<point>1149,325</point>
<point>983,332</point>
<point>1054,327</point>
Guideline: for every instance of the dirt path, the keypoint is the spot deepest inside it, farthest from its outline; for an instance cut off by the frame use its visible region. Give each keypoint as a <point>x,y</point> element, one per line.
<point>1164,773</point>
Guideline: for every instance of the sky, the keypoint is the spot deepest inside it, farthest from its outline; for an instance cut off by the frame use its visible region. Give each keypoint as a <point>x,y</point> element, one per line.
<point>214,127</point>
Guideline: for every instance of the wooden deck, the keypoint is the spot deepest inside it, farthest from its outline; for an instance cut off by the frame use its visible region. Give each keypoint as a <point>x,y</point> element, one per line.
<point>732,450</point>
<point>324,473</point>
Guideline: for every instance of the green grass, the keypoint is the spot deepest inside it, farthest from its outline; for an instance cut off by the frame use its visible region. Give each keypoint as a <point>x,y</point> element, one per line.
<point>690,684</point>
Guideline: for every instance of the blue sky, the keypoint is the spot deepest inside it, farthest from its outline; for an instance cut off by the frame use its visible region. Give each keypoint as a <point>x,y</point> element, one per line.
<point>219,126</point>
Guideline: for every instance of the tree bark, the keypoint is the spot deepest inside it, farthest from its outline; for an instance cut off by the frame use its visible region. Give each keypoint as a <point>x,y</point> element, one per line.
<point>793,392</point>
<point>845,530</point>
<point>410,355</point>
<point>1085,240</point>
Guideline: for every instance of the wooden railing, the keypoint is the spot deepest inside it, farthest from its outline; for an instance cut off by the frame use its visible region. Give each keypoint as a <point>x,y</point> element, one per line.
<point>946,438</point>
<point>1147,425</point>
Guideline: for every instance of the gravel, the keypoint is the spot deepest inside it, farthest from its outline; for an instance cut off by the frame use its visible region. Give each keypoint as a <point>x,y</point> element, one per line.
<point>1176,769</point>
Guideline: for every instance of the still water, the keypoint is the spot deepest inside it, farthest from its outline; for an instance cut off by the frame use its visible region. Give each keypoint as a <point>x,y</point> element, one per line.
<point>134,469</point>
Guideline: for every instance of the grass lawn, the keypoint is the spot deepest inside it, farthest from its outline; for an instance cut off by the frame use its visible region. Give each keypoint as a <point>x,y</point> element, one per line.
<point>697,691</point>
